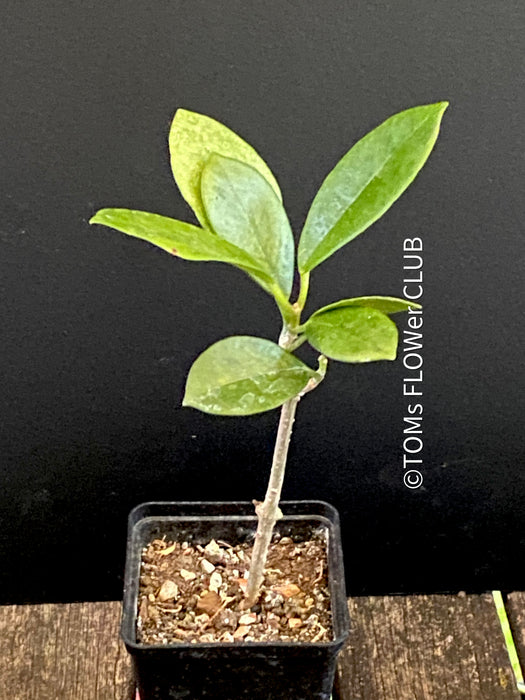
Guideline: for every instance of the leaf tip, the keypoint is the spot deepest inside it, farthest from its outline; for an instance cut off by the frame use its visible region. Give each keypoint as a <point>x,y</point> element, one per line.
<point>180,113</point>
<point>94,219</point>
<point>441,108</point>
<point>438,107</point>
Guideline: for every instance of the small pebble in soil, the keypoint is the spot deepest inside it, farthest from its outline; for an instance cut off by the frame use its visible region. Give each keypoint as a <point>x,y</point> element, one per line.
<point>207,566</point>
<point>187,575</point>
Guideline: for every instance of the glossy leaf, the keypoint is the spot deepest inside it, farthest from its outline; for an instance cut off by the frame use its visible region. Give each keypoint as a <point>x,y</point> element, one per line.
<point>176,237</point>
<point>367,181</point>
<point>193,138</point>
<point>242,375</point>
<point>243,209</point>
<point>387,305</point>
<point>353,334</point>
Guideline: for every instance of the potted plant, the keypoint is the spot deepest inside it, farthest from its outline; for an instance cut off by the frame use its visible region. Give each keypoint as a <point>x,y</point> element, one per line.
<point>221,601</point>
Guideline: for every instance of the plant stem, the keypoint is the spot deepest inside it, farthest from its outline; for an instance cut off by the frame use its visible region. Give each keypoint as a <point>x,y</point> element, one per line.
<point>297,343</point>
<point>268,512</point>
<point>303,292</point>
<point>288,313</point>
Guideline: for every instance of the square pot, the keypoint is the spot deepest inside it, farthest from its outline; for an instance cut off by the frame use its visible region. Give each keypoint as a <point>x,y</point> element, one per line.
<point>221,670</point>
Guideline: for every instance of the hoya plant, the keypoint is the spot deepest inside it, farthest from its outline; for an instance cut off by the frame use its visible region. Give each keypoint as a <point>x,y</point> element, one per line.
<point>238,204</point>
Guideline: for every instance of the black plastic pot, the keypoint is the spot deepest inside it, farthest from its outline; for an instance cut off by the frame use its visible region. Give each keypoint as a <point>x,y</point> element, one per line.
<point>224,671</point>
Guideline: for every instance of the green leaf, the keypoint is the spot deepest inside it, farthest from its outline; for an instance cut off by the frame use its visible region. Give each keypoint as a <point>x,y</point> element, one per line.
<point>193,138</point>
<point>353,334</point>
<point>387,305</point>
<point>367,181</point>
<point>243,209</point>
<point>242,375</point>
<point>177,237</point>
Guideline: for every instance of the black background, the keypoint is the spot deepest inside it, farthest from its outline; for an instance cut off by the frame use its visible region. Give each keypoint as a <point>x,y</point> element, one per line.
<point>99,331</point>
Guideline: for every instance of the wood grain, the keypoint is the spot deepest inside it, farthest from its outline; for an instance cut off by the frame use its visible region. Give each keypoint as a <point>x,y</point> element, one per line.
<point>63,652</point>
<point>516,613</point>
<point>440,647</point>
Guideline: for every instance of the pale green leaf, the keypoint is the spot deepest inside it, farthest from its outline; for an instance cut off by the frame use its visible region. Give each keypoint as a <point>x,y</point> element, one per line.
<point>193,138</point>
<point>177,237</point>
<point>387,305</point>
<point>367,181</point>
<point>353,334</point>
<point>242,375</point>
<point>243,209</point>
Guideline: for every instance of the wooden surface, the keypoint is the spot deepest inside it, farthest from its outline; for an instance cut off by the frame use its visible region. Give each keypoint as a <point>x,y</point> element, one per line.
<point>516,613</point>
<point>437,647</point>
<point>63,652</point>
<point>401,648</point>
